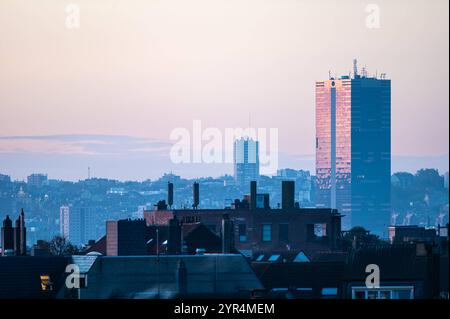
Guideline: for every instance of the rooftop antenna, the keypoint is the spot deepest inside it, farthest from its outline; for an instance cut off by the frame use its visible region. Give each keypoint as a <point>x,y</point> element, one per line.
<point>329,74</point>
<point>355,68</point>
<point>89,172</point>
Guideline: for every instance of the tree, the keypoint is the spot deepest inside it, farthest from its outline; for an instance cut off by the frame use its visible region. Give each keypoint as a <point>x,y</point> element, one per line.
<point>59,246</point>
<point>428,179</point>
<point>358,237</point>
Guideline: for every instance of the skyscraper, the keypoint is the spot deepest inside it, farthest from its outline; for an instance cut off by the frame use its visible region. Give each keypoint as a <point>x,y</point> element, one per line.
<point>353,149</point>
<point>246,161</point>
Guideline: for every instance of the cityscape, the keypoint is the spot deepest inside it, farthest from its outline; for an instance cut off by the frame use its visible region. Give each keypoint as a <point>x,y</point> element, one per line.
<point>244,224</point>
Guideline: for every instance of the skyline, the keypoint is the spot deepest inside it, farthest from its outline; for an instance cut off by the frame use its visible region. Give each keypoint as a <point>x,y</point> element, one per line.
<point>134,72</point>
<point>106,160</point>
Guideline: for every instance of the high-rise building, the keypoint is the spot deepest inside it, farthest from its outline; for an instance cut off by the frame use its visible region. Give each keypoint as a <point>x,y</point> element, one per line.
<point>246,161</point>
<point>81,224</point>
<point>353,149</point>
<point>64,222</point>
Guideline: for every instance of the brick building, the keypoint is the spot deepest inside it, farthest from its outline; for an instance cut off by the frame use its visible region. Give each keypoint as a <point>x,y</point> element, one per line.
<point>264,229</point>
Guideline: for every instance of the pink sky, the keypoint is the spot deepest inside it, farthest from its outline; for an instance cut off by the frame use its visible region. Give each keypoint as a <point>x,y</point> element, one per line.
<point>142,68</point>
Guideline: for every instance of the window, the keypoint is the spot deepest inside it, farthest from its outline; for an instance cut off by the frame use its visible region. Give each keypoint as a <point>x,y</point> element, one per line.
<point>359,295</point>
<point>329,292</point>
<point>46,283</point>
<point>316,231</point>
<point>274,257</point>
<point>280,289</point>
<point>403,294</point>
<point>283,232</point>
<point>301,258</point>
<point>242,233</point>
<point>260,257</point>
<point>406,292</point>
<point>320,230</point>
<point>266,232</point>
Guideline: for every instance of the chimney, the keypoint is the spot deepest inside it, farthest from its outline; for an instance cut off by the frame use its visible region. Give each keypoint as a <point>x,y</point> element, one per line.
<point>227,233</point>
<point>253,195</point>
<point>20,239</point>
<point>7,236</point>
<point>170,194</point>
<point>196,191</point>
<point>174,237</point>
<point>287,194</point>
<point>266,201</point>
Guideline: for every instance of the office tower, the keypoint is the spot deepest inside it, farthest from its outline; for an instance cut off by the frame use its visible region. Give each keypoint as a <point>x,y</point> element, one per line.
<point>7,237</point>
<point>36,180</point>
<point>246,161</point>
<point>353,149</point>
<point>64,222</point>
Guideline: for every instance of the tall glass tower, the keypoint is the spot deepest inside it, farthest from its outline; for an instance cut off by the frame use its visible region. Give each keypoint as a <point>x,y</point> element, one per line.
<point>353,149</point>
<point>246,161</point>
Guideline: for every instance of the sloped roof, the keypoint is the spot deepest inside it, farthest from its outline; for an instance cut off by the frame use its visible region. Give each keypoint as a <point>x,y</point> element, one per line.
<point>99,246</point>
<point>145,276</point>
<point>20,276</point>
<point>84,262</point>
<point>396,262</point>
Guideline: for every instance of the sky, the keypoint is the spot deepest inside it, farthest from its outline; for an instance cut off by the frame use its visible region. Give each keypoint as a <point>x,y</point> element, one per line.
<point>109,93</point>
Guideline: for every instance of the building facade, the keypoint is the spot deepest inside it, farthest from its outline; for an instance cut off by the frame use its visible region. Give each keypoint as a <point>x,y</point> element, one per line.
<point>246,161</point>
<point>82,224</point>
<point>64,222</point>
<point>353,149</point>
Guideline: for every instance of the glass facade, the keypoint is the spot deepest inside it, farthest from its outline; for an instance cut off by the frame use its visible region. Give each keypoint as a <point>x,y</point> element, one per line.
<point>353,150</point>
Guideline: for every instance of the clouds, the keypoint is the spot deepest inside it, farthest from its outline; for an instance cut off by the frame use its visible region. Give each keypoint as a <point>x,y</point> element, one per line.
<point>82,145</point>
